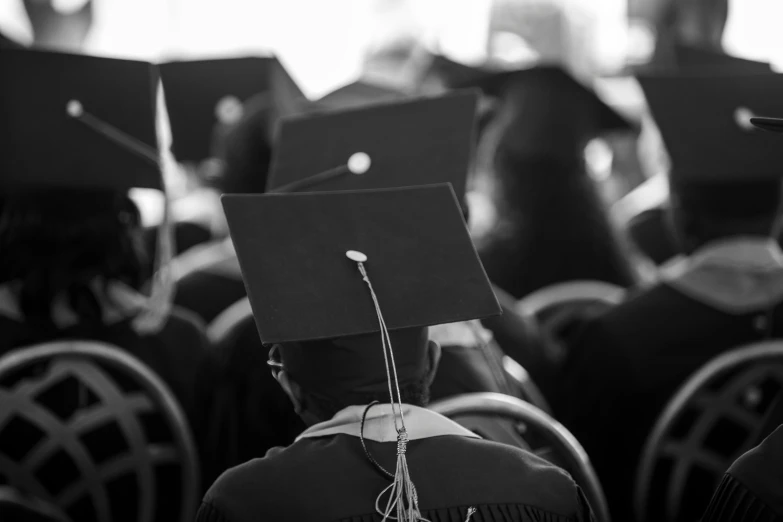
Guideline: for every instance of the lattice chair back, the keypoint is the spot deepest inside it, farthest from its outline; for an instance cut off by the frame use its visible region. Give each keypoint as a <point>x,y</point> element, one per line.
<point>717,415</point>
<point>225,323</point>
<point>538,429</point>
<point>88,428</point>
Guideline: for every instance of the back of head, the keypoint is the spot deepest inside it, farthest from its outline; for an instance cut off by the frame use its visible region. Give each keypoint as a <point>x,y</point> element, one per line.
<point>705,212</point>
<point>336,373</point>
<point>60,242</point>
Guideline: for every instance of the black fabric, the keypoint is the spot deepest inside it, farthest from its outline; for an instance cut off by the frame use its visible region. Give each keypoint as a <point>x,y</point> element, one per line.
<point>330,479</point>
<point>208,294</point>
<point>626,365</point>
<point>733,502</point>
<point>650,232</point>
<point>186,236</point>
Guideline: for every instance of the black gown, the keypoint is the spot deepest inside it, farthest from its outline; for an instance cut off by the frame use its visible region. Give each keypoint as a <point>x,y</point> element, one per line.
<point>626,364</point>
<point>329,477</point>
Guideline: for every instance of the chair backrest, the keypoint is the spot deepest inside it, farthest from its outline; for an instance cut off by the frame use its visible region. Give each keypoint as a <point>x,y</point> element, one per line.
<point>65,406</point>
<point>530,391</point>
<point>228,320</point>
<point>716,416</point>
<point>564,446</point>
<point>569,292</point>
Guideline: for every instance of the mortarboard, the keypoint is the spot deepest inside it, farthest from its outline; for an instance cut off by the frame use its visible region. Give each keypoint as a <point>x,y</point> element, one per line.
<point>768,124</point>
<point>687,57</point>
<point>451,73</point>
<point>552,90</point>
<point>417,142</point>
<point>705,125</point>
<point>77,121</point>
<point>291,248</point>
<point>357,94</point>
<point>202,94</point>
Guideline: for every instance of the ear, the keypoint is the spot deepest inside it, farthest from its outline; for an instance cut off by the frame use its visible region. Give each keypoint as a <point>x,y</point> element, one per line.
<point>291,389</point>
<point>433,356</point>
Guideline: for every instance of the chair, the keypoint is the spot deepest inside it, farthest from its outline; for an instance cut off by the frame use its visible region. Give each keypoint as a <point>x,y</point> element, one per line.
<point>720,412</point>
<point>222,325</point>
<point>565,447</point>
<point>64,405</point>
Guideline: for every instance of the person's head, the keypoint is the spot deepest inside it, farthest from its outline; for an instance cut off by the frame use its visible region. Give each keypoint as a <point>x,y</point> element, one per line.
<point>244,150</point>
<point>702,212</point>
<point>59,242</point>
<point>323,377</point>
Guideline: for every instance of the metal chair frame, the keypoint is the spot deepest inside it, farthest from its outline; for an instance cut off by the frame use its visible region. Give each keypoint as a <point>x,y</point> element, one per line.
<point>565,444</point>
<point>570,291</point>
<point>78,359</point>
<point>713,406</point>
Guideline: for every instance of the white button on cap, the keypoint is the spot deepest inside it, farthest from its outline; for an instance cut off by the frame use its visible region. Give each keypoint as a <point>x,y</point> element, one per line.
<point>742,116</point>
<point>359,163</point>
<point>355,255</point>
<point>229,110</point>
<point>74,108</point>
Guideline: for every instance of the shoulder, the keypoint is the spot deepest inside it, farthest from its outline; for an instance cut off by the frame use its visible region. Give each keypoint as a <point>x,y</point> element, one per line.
<point>514,474</point>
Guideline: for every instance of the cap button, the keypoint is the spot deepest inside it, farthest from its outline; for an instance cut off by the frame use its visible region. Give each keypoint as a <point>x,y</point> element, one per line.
<point>742,116</point>
<point>355,255</point>
<point>359,163</point>
<point>74,108</point>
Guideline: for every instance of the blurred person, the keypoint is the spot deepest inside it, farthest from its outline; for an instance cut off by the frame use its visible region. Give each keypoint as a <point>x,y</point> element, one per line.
<point>725,183</point>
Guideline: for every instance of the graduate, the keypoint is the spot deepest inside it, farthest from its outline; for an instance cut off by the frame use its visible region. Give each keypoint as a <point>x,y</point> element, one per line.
<point>343,286</point>
<point>223,113</point>
<point>725,189</point>
<point>551,226</point>
<point>72,262</point>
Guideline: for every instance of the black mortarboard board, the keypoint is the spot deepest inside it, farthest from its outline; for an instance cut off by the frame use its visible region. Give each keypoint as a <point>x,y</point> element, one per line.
<point>551,88</point>
<point>195,90</point>
<point>453,74</point>
<point>417,142</point>
<point>44,146</point>
<point>688,57</point>
<point>302,287</point>
<point>357,94</point>
<point>704,121</point>
<point>768,124</point>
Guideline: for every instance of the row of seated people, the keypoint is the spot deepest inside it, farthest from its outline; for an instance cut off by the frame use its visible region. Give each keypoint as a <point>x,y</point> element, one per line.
<point>94,303</point>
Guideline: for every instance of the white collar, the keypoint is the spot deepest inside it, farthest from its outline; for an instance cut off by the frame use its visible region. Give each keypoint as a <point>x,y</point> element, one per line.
<point>737,275</point>
<point>420,423</point>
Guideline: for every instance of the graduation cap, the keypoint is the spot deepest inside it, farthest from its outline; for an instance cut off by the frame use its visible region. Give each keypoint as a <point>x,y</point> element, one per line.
<point>73,121</point>
<point>292,251</point>
<point>204,94</point>
<point>692,57</point>
<point>720,162</point>
<point>360,93</point>
<point>417,142</point>
<point>451,73</point>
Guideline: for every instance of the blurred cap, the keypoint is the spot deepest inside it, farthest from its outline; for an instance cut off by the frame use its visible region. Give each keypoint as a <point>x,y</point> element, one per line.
<point>417,142</point>
<point>705,125</point>
<point>554,101</point>
<point>203,95</point>
<point>357,94</point>
<point>74,121</point>
<point>451,73</point>
<point>302,286</point>
<point>691,57</point>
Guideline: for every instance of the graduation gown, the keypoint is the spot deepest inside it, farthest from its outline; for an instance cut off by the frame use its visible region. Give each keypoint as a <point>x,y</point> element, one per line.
<point>325,475</point>
<point>752,489</point>
<point>209,279</point>
<point>626,364</point>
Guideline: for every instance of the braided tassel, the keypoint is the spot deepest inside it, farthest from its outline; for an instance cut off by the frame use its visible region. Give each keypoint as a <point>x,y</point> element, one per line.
<point>403,498</point>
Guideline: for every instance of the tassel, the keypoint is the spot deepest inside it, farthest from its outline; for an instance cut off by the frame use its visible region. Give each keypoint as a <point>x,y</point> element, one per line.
<point>403,499</point>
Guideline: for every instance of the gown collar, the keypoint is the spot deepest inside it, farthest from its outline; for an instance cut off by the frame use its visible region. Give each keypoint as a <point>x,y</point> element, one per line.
<point>736,276</point>
<point>420,423</point>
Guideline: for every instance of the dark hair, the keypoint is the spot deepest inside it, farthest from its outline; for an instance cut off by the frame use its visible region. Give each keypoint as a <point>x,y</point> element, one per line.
<point>245,150</point>
<point>58,242</point>
<point>704,213</point>
<point>327,406</point>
